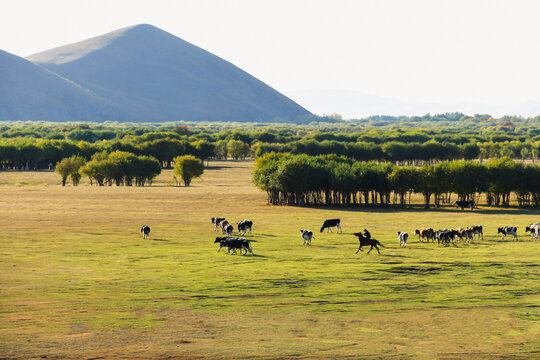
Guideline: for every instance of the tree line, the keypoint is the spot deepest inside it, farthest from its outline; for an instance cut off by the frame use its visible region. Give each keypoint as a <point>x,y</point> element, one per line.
<point>338,180</point>
<point>404,140</point>
<point>117,167</point>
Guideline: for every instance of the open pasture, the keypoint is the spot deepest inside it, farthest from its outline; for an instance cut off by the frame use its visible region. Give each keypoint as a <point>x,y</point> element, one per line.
<point>77,280</point>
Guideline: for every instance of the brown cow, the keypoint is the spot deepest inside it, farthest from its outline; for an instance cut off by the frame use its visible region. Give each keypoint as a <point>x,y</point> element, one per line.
<point>424,233</point>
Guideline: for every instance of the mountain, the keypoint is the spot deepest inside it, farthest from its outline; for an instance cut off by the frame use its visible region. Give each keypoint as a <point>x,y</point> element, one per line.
<point>28,92</point>
<point>155,76</point>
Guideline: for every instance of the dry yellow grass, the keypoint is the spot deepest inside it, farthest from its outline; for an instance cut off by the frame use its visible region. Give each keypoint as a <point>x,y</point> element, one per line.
<point>78,281</point>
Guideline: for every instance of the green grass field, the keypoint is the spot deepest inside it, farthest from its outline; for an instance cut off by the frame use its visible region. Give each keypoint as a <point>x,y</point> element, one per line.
<point>77,280</point>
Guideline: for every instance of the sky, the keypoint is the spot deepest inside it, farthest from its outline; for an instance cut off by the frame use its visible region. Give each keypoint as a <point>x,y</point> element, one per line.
<point>354,58</point>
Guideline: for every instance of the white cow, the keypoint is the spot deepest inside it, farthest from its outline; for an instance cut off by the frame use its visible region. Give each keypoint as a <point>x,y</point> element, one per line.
<point>403,236</point>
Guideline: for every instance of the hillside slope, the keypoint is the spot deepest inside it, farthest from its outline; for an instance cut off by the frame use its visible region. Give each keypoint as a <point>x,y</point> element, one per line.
<point>28,92</point>
<point>155,76</point>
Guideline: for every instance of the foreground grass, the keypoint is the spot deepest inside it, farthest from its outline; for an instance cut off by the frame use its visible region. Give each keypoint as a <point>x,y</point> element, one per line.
<point>78,281</point>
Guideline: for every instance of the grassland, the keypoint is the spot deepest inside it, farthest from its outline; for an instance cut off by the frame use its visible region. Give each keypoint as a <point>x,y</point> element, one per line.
<point>77,280</point>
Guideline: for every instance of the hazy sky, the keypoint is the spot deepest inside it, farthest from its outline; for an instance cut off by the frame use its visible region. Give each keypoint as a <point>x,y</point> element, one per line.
<point>423,51</point>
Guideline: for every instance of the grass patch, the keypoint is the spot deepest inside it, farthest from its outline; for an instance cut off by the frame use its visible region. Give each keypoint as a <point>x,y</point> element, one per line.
<point>78,280</point>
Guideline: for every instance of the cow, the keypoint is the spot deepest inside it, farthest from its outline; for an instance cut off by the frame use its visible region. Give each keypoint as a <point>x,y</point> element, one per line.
<point>508,230</point>
<point>145,230</point>
<point>331,223</point>
<point>365,242</point>
<point>228,229</point>
<point>424,233</point>
<point>233,243</point>
<point>217,221</point>
<point>468,234</point>
<point>534,229</point>
<point>444,236</point>
<point>307,235</point>
<point>222,225</point>
<point>402,236</point>
<point>465,204</point>
<point>244,226</point>
<point>477,231</point>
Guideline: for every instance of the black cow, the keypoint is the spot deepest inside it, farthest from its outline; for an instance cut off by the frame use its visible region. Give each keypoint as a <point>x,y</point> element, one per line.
<point>233,243</point>
<point>465,204</point>
<point>365,242</point>
<point>244,226</point>
<point>145,230</point>
<point>331,223</point>
<point>508,230</point>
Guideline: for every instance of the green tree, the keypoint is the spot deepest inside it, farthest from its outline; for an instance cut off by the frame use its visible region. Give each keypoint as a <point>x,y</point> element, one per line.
<point>188,167</point>
<point>70,167</point>
<point>237,149</point>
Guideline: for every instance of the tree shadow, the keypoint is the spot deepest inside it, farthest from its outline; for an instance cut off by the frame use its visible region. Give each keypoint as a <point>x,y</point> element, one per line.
<point>418,209</point>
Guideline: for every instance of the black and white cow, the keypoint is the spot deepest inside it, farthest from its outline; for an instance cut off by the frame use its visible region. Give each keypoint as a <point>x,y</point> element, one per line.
<point>465,204</point>
<point>222,225</point>
<point>228,229</point>
<point>403,236</point>
<point>307,235</point>
<point>145,230</point>
<point>244,226</point>
<point>477,231</point>
<point>233,243</point>
<point>217,222</point>
<point>331,223</point>
<point>508,230</point>
<point>534,229</point>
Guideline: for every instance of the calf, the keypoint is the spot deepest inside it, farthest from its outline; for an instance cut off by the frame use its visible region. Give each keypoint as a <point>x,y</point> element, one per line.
<point>402,236</point>
<point>145,230</point>
<point>307,235</point>
<point>217,221</point>
<point>365,242</point>
<point>508,230</point>
<point>244,226</point>
<point>465,204</point>
<point>331,223</point>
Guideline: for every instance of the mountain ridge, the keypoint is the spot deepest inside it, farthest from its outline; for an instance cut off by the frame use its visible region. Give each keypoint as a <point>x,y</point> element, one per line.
<point>154,76</point>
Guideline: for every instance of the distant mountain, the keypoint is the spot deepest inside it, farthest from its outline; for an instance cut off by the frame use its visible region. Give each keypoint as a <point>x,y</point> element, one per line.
<point>28,92</point>
<point>154,76</point>
<point>354,104</point>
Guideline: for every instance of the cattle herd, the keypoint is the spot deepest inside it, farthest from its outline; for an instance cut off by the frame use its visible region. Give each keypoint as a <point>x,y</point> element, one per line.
<point>448,236</point>
<point>444,237</point>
